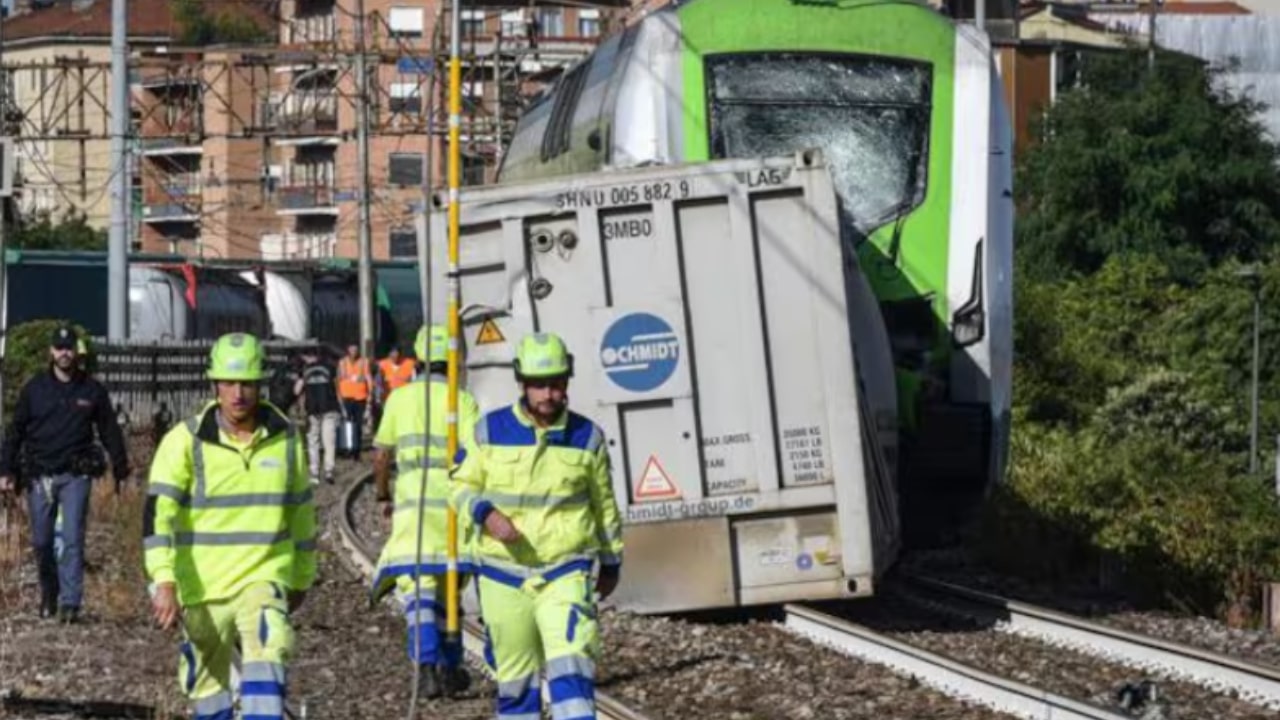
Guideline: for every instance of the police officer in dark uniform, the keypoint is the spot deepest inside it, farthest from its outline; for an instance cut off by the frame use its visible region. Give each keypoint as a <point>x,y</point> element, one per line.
<point>53,434</point>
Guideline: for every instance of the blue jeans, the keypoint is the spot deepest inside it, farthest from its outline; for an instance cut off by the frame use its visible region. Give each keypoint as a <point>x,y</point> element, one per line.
<point>63,575</point>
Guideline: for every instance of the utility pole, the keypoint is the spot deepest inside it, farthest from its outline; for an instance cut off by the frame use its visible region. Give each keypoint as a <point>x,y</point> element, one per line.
<point>4,202</point>
<point>1152,6</point>
<point>118,239</point>
<point>1253,275</point>
<point>1257,325</point>
<point>362,160</point>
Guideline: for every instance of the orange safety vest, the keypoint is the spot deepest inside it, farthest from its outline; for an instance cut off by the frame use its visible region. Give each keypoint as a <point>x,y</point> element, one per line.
<point>396,374</point>
<point>353,379</point>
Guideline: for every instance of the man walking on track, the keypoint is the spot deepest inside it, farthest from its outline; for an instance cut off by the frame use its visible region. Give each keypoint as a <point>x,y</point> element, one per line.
<point>536,482</point>
<point>229,537</point>
<point>355,383</point>
<point>404,433</point>
<point>319,392</point>
<point>54,422</point>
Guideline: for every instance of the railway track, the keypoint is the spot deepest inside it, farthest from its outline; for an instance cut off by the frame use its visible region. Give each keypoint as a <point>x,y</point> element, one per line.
<point>1256,683</point>
<point>950,676</point>
<point>969,665</point>
<point>607,708</point>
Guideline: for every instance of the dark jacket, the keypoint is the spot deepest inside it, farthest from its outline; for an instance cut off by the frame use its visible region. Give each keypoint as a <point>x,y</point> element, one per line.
<point>53,427</point>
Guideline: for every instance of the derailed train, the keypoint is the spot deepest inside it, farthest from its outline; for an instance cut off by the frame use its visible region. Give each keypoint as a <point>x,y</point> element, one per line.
<point>778,233</point>
<point>173,299</point>
<point>907,107</point>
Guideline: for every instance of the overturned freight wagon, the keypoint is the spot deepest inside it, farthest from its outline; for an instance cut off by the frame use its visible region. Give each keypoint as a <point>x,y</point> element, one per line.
<point>728,343</point>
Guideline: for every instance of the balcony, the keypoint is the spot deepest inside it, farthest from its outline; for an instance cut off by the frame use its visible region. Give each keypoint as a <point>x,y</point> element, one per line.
<point>172,211</point>
<point>307,200</point>
<point>315,22</point>
<point>304,113</point>
<point>162,146</point>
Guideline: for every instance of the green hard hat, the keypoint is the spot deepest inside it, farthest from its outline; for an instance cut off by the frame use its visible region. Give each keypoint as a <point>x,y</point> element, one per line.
<point>543,355</point>
<point>236,356</point>
<point>439,344</point>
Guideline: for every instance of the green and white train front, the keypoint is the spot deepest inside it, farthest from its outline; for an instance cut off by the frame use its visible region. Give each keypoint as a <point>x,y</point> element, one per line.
<point>907,108</point>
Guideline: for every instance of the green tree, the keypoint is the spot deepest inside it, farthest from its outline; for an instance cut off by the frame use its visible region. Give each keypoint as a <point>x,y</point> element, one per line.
<point>1168,164</point>
<point>40,232</point>
<point>209,23</point>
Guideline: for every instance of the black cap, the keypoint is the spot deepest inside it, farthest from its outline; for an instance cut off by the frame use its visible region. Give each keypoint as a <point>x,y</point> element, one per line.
<point>64,338</point>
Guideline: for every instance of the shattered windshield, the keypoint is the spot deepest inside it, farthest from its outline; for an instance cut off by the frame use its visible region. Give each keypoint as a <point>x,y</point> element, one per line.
<point>869,116</point>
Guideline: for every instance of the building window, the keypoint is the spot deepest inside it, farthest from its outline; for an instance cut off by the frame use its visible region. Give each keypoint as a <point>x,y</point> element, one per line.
<point>473,170</point>
<point>472,97</point>
<point>472,22</point>
<point>551,22</point>
<point>406,98</point>
<point>588,23</point>
<point>406,22</point>
<point>404,242</point>
<point>405,169</point>
<point>513,24</point>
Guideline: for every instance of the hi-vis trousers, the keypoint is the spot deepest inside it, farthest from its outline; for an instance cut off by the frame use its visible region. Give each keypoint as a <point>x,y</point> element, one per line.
<point>259,618</point>
<point>425,619</point>
<point>539,624</point>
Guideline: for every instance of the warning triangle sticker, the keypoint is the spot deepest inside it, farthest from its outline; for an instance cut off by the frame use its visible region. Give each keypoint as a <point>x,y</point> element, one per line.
<point>655,483</point>
<point>489,333</point>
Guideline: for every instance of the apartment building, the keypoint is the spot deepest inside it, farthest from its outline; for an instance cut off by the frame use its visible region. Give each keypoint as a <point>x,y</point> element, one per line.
<point>318,167</point>
<point>55,57</point>
<point>200,160</point>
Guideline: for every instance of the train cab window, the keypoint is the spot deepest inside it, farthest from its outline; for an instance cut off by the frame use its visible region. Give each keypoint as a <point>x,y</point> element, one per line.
<point>869,116</point>
<point>556,139</point>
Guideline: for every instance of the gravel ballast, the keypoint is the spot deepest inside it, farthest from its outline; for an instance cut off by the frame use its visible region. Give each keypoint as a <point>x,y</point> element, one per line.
<point>678,669</point>
<point>1257,646</point>
<point>350,663</point>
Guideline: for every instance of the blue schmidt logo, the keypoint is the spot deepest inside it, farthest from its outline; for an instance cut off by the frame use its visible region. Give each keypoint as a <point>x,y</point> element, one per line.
<point>640,352</point>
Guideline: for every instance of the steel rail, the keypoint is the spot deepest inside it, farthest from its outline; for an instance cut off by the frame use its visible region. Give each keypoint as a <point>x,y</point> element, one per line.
<point>943,673</point>
<point>1259,684</point>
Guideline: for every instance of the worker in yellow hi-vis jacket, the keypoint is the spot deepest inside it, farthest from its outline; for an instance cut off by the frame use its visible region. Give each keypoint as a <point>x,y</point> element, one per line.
<point>230,538</point>
<point>413,434</point>
<point>536,482</point>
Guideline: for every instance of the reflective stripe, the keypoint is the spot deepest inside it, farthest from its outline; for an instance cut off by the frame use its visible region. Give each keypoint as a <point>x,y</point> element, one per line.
<point>291,459</point>
<point>157,541</point>
<point>516,688</point>
<point>170,491</point>
<point>197,462</point>
<point>573,708</point>
<point>596,439</point>
<point>232,501</point>
<point>434,463</point>
<point>420,616</point>
<point>608,558</point>
<point>213,704</point>
<point>230,538</point>
<point>508,500</point>
<point>570,665</point>
<point>417,440</point>
<point>305,545</point>
<point>520,716</point>
<point>263,672</point>
<point>610,535</point>
<point>271,706</point>
<point>429,503</point>
<point>466,497</point>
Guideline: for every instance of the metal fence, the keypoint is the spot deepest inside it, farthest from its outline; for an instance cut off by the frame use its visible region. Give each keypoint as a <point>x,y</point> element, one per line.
<point>159,383</point>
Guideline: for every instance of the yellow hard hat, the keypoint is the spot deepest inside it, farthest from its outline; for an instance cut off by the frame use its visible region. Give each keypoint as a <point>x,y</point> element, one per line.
<point>439,351</point>
<point>543,355</point>
<point>236,356</point>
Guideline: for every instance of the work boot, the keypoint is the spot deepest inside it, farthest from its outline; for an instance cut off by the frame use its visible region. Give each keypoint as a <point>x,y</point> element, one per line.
<point>48,603</point>
<point>455,680</point>
<point>428,682</point>
<point>68,615</point>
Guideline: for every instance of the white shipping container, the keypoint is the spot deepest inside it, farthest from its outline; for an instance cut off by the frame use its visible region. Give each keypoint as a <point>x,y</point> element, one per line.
<point>715,313</point>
